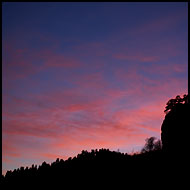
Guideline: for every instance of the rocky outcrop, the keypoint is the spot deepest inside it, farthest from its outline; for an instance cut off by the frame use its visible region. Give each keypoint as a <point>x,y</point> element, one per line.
<point>175,134</point>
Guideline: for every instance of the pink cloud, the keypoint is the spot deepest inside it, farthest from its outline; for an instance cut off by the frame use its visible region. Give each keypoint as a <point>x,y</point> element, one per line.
<point>97,126</point>
<point>48,120</point>
<point>29,128</point>
<point>108,137</point>
<point>9,150</point>
<point>24,62</point>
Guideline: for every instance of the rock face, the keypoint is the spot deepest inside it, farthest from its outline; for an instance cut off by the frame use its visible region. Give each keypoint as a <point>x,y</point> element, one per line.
<point>174,130</point>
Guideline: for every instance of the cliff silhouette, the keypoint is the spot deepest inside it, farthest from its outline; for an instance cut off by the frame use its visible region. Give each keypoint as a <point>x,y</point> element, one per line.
<point>175,128</point>
<point>158,160</point>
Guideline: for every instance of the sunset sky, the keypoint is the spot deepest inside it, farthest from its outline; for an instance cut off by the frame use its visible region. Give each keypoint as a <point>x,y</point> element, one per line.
<point>81,76</point>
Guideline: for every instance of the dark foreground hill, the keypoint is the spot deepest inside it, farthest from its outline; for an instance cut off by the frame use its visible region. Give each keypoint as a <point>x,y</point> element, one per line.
<point>95,166</point>
<point>109,168</point>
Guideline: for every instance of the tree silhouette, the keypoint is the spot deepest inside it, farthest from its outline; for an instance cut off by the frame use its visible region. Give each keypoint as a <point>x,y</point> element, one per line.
<point>152,144</point>
<point>173,102</point>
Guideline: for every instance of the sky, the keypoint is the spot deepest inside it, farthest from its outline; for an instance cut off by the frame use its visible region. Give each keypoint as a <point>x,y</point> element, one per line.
<point>82,76</point>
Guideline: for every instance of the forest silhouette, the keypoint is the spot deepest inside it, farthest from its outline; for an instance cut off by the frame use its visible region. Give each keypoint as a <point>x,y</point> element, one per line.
<point>158,160</point>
